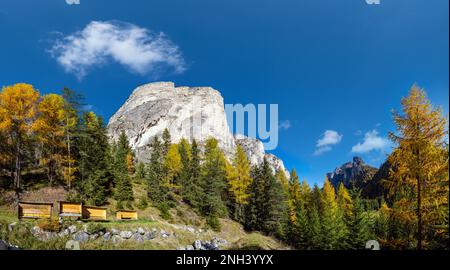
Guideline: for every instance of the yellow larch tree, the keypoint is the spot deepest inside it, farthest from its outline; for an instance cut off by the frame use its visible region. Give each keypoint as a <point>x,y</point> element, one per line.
<point>50,129</point>
<point>70,125</point>
<point>419,176</point>
<point>18,106</point>
<point>130,163</point>
<point>239,181</point>
<point>172,165</point>
<point>344,201</point>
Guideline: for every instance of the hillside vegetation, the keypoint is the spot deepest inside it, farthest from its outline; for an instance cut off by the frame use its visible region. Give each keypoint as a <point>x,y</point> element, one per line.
<point>51,149</point>
<point>182,230</point>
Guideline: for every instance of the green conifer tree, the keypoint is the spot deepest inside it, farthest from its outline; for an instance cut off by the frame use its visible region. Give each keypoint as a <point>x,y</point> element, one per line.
<point>267,205</point>
<point>95,160</point>
<point>155,174</point>
<point>193,187</point>
<point>166,141</point>
<point>214,183</point>
<point>315,227</point>
<point>123,190</point>
<point>360,224</point>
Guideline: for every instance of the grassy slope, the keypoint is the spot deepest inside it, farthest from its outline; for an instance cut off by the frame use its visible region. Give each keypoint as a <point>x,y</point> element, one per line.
<point>149,218</point>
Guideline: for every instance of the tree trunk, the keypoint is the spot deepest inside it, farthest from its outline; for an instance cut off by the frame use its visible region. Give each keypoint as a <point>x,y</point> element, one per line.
<point>69,180</point>
<point>50,171</point>
<point>419,214</point>
<point>17,171</point>
<point>419,184</point>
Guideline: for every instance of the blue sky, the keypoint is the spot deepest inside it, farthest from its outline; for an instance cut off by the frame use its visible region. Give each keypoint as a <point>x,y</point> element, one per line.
<point>335,67</point>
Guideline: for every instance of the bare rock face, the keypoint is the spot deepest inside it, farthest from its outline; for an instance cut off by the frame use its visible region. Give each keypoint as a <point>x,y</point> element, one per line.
<point>276,163</point>
<point>187,112</point>
<point>253,147</point>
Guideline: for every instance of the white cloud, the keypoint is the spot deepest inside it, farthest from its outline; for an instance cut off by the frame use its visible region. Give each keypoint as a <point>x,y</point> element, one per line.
<point>329,138</point>
<point>371,142</point>
<point>139,49</point>
<point>319,151</point>
<point>285,125</point>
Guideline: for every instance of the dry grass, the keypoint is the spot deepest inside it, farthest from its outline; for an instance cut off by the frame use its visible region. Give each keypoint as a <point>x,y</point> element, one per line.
<point>46,194</point>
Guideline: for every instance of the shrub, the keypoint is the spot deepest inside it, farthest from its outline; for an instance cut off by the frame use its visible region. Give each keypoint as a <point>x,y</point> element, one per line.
<point>164,211</point>
<point>50,225</point>
<point>214,223</point>
<point>95,228</point>
<point>119,205</point>
<point>143,203</point>
<point>24,239</point>
<point>74,197</point>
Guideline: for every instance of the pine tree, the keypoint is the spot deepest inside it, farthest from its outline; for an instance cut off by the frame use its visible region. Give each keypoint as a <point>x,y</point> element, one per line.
<point>275,202</point>
<point>302,226</point>
<point>75,101</point>
<point>345,215</point>
<point>123,189</point>
<point>214,183</point>
<point>360,224</point>
<point>419,177</point>
<point>298,202</point>
<point>253,213</point>
<point>267,205</point>
<point>155,173</point>
<point>166,141</point>
<point>303,215</point>
<point>140,173</point>
<point>184,150</point>
<point>120,152</point>
<point>315,228</point>
<point>95,160</point>
<point>193,186</point>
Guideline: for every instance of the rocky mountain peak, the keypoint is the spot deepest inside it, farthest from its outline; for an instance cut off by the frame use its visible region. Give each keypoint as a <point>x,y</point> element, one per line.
<point>187,112</point>
<point>352,174</point>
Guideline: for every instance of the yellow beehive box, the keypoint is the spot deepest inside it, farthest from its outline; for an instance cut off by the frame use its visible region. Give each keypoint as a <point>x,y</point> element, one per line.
<point>94,213</point>
<point>35,210</point>
<point>70,209</point>
<point>126,215</point>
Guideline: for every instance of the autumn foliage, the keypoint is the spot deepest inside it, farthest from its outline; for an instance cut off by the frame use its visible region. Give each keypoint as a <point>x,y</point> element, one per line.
<point>51,136</point>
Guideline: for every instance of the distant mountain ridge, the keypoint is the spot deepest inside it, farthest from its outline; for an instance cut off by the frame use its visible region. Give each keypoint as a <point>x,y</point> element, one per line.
<point>354,174</point>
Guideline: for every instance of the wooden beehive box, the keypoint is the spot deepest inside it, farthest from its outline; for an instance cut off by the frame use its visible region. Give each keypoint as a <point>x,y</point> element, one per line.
<point>70,209</point>
<point>94,213</point>
<point>35,210</point>
<point>126,215</point>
